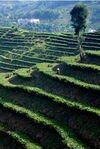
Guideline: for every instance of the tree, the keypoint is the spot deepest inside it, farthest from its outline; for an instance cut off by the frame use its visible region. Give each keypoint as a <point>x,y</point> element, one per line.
<point>79,15</point>
<point>80,49</point>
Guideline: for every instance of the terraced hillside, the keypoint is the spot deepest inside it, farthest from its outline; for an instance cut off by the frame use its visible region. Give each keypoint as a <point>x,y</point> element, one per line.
<point>23,49</point>
<point>40,109</point>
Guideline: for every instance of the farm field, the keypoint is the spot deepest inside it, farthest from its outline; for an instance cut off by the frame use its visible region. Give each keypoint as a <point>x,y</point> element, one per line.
<point>40,109</point>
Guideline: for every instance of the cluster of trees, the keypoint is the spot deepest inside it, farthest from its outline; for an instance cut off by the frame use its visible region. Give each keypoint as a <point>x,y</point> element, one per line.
<point>56,12</point>
<point>44,27</point>
<point>46,14</point>
<point>79,15</point>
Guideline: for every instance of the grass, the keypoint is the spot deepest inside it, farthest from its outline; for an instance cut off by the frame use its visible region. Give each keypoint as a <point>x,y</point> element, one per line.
<point>88,73</point>
<point>74,61</point>
<point>19,137</point>
<point>53,97</point>
<point>93,53</point>
<point>37,41</point>
<point>30,40</point>
<point>24,73</point>
<point>73,106</point>
<point>85,88</point>
<point>69,138</point>
<point>22,49</point>
<point>47,70</point>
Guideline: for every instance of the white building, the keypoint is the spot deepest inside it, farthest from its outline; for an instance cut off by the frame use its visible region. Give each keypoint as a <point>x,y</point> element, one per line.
<point>34,21</point>
<point>25,21</point>
<point>91,30</point>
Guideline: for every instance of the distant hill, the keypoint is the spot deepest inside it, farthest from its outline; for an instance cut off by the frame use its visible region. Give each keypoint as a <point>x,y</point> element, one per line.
<point>54,15</point>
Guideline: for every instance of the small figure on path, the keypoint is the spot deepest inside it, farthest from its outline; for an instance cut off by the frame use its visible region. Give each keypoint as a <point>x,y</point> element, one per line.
<point>58,71</point>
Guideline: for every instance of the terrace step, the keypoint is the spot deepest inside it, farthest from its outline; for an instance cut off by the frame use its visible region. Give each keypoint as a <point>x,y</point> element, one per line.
<point>7,140</point>
<point>15,61</point>
<point>55,109</point>
<point>92,57</point>
<point>82,92</point>
<point>63,100</point>
<point>87,47</point>
<point>16,140</point>
<point>52,130</point>
<point>16,40</point>
<point>58,48</point>
<point>36,131</point>
<point>23,58</point>
<point>5,69</point>
<point>93,40</point>
<point>84,72</point>
<point>11,66</point>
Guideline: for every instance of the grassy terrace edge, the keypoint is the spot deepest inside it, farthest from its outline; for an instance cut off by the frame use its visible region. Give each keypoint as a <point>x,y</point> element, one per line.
<point>23,139</point>
<point>55,98</point>
<point>65,79</point>
<point>70,61</point>
<point>69,138</point>
<point>66,100</point>
<point>93,53</point>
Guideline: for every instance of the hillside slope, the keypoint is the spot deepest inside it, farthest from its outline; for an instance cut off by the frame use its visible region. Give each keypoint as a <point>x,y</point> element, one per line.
<point>40,109</point>
<point>23,49</point>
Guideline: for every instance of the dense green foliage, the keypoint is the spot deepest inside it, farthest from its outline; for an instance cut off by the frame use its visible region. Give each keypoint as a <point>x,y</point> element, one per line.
<point>40,108</point>
<point>46,15</point>
<point>24,140</point>
<point>79,16</point>
<point>11,12</point>
<point>23,49</point>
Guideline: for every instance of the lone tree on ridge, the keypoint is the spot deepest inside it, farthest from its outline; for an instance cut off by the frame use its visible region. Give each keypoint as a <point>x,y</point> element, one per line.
<point>79,15</point>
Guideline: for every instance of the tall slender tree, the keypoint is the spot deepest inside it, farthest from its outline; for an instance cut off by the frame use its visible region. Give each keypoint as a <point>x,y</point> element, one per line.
<point>79,15</point>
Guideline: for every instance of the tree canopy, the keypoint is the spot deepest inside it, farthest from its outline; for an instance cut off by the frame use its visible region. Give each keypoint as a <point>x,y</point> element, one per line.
<point>79,15</point>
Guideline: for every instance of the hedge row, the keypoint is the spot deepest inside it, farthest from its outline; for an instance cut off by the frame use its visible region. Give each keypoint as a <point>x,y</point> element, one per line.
<point>91,47</point>
<point>15,44</point>
<point>12,47</point>
<point>57,44</point>
<point>14,40</point>
<point>62,42</point>
<point>91,44</point>
<point>39,92</point>
<point>23,73</point>
<point>70,61</point>
<point>72,39</point>
<point>71,80</point>
<point>61,48</point>
<point>92,91</point>
<point>67,135</point>
<point>55,52</point>
<point>19,137</point>
<point>92,35</point>
<point>6,69</point>
<point>93,53</point>
<point>26,58</point>
<point>96,40</point>
<point>11,66</point>
<point>15,61</point>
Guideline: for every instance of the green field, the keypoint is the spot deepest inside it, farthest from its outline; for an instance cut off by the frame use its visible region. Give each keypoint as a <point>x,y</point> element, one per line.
<point>40,109</point>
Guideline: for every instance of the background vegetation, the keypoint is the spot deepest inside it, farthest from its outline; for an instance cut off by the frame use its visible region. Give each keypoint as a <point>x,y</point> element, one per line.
<point>54,15</point>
